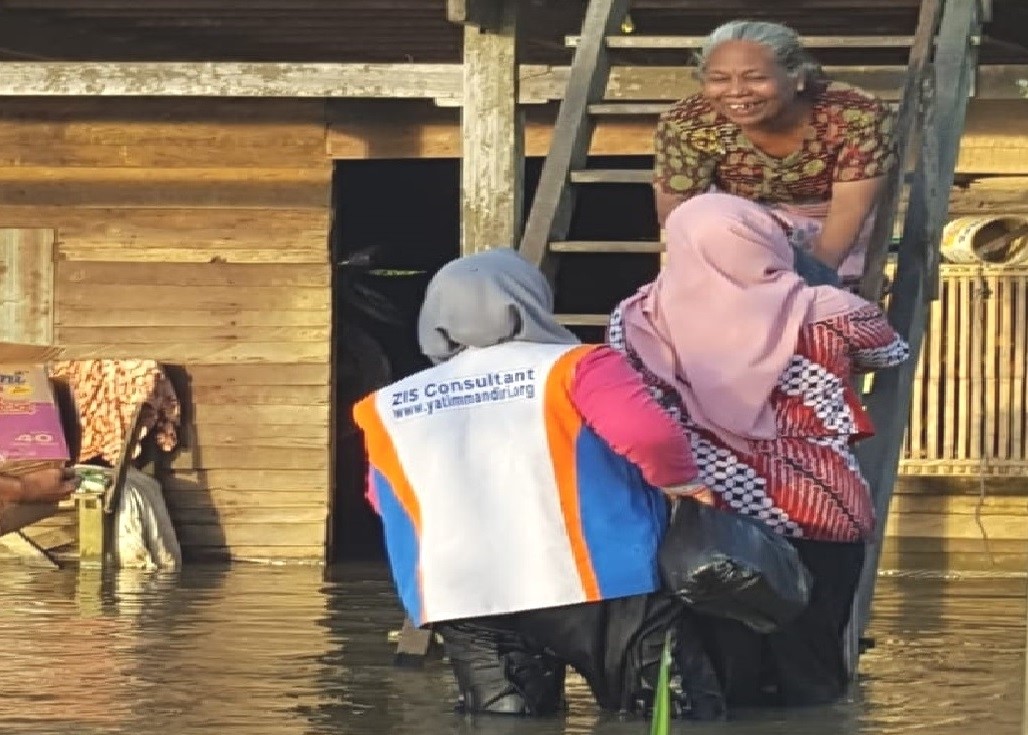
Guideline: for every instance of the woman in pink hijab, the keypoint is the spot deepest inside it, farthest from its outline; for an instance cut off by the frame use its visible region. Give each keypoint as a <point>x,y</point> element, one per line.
<point>757,367</point>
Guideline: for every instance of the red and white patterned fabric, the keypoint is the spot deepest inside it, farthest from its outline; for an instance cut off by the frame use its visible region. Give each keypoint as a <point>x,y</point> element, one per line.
<point>107,393</point>
<point>806,482</point>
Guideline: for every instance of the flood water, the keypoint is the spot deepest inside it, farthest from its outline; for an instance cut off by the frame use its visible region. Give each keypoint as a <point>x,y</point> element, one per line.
<point>301,650</point>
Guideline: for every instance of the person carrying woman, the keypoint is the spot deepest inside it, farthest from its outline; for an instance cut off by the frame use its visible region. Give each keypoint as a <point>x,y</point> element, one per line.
<point>757,368</point>
<point>768,126</point>
<point>519,482</point>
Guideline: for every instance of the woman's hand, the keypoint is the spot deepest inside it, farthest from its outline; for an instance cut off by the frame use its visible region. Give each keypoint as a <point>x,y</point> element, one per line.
<point>47,486</point>
<point>852,202</point>
<point>694,490</point>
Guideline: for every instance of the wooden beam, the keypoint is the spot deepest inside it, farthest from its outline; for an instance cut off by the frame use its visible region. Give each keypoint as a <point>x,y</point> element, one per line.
<point>492,131</point>
<point>91,528</point>
<point>695,42</point>
<point>701,6</point>
<point>1008,194</point>
<point>743,6</point>
<point>387,81</point>
<point>230,79</point>
<point>413,645</point>
<point>908,130</point>
<point>993,140</point>
<point>459,11</point>
<point>485,14</point>
<point>27,551</point>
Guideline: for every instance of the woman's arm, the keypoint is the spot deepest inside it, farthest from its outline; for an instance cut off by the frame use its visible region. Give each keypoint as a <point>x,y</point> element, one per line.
<point>614,402</point>
<point>10,489</point>
<point>873,343</point>
<point>41,486</point>
<point>867,156</point>
<point>851,204</point>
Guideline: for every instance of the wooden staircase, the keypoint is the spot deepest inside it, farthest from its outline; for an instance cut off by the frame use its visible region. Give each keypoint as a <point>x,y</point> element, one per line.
<point>942,64</point>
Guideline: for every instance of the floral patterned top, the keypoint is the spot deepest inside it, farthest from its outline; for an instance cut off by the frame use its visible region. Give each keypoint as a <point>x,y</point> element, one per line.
<point>850,138</point>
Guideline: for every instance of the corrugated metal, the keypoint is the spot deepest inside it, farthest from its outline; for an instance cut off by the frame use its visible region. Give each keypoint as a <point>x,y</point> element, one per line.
<point>409,30</point>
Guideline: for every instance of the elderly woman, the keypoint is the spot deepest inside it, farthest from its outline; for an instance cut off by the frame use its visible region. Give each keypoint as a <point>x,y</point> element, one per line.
<point>769,127</point>
<point>517,481</point>
<point>757,367</point>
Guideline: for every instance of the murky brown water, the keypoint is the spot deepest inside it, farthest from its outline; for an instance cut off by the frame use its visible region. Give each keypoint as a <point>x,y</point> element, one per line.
<point>280,650</point>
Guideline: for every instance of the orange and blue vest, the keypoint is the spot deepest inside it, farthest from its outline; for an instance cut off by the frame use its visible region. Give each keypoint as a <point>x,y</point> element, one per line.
<point>496,497</point>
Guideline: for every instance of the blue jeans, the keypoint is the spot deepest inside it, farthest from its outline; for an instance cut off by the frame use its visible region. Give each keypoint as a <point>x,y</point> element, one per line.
<point>813,271</point>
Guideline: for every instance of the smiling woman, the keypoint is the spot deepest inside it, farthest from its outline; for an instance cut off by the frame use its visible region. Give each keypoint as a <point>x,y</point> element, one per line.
<point>769,127</point>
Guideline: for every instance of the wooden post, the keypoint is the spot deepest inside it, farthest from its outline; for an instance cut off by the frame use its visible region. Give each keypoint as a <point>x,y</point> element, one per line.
<point>27,286</point>
<point>486,14</point>
<point>413,644</point>
<point>91,528</point>
<point>492,128</point>
<point>89,592</point>
<point>27,316</point>
<point>908,131</point>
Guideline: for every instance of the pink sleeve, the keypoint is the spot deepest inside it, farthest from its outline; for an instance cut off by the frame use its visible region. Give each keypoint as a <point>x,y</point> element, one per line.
<point>371,494</point>
<point>873,343</point>
<point>614,402</point>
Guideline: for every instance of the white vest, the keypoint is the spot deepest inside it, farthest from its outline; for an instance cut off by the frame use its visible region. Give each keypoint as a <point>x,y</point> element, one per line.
<point>476,464</point>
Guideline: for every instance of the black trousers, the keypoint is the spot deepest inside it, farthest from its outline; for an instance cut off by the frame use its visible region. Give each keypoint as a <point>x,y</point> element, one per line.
<point>515,664</point>
<point>804,663</point>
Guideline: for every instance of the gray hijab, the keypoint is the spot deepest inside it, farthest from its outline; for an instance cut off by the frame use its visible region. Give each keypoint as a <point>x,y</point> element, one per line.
<point>485,299</point>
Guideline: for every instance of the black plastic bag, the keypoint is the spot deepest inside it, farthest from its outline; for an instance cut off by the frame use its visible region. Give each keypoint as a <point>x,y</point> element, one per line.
<point>732,566</point>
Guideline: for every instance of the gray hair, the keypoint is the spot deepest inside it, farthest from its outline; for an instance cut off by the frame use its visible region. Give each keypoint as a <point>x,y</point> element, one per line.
<point>783,42</point>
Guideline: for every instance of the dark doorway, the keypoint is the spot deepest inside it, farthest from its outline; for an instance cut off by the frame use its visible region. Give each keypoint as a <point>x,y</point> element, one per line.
<point>396,222</point>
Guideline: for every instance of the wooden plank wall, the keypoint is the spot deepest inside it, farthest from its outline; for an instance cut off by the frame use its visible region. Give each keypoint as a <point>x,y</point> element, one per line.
<point>960,523</point>
<point>194,232</point>
<point>994,140</point>
<point>27,286</point>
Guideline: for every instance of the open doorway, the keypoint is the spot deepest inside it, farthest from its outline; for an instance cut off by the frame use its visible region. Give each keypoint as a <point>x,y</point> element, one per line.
<point>396,223</point>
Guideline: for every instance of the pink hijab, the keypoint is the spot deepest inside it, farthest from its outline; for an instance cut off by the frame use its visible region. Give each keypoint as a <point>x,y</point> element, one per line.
<point>722,319</point>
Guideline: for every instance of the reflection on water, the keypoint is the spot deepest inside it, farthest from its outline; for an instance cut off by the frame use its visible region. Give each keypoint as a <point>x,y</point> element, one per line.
<point>291,650</point>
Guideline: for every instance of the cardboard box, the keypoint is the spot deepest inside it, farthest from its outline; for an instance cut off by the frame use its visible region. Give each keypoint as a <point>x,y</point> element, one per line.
<point>31,433</point>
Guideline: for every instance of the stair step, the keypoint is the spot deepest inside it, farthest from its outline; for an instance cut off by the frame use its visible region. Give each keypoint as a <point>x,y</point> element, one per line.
<point>612,176</point>
<point>628,108</point>
<point>635,176</point>
<point>606,246</point>
<point>583,320</point>
<point>695,42</point>
<point>646,108</point>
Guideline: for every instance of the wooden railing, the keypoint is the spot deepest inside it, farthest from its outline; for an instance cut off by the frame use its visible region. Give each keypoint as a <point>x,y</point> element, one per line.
<point>941,69</point>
